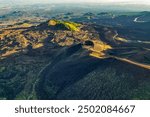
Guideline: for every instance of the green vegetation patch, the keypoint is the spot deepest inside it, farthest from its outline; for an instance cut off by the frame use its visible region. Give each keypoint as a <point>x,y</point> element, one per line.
<point>67,24</point>
<point>2,69</point>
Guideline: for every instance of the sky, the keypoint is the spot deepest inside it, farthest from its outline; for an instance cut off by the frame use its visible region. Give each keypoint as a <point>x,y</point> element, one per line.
<point>147,2</point>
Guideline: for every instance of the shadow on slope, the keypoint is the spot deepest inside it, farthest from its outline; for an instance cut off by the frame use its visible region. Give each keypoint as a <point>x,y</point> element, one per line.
<point>79,76</point>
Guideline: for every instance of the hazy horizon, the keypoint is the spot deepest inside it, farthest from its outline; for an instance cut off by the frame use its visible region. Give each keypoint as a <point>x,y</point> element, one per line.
<point>146,2</point>
<point>130,5</point>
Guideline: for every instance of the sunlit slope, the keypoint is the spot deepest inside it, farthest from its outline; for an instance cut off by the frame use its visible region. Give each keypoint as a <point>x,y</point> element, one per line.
<point>60,59</point>
<point>66,24</point>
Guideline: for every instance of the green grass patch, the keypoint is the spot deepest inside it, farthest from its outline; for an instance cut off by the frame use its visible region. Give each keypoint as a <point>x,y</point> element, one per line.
<point>67,24</point>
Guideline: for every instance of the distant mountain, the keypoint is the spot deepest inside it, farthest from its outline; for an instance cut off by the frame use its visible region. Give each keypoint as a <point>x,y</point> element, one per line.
<point>14,15</point>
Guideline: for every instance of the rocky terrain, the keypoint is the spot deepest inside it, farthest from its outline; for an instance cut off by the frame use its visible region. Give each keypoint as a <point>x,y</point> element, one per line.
<point>66,60</point>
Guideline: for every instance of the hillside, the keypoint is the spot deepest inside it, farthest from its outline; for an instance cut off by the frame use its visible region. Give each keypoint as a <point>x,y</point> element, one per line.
<point>60,59</point>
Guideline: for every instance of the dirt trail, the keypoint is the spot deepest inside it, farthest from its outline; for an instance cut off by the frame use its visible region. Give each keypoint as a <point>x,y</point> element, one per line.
<point>100,56</point>
<point>132,62</point>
